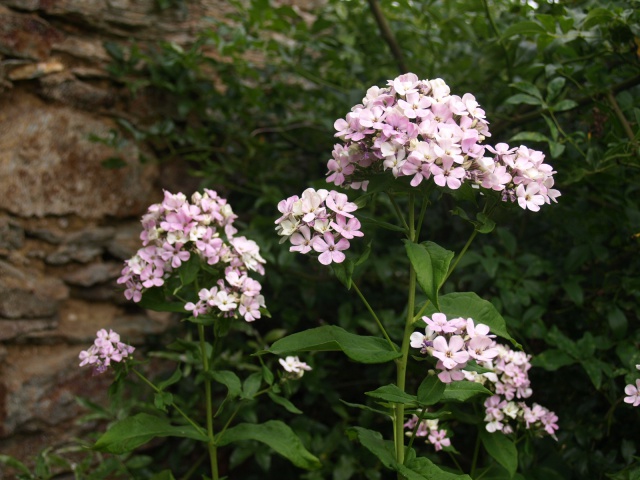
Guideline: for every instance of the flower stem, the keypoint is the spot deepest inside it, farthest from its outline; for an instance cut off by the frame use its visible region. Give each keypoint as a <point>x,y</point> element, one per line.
<point>401,363</point>
<point>213,454</point>
<point>177,409</point>
<point>373,314</point>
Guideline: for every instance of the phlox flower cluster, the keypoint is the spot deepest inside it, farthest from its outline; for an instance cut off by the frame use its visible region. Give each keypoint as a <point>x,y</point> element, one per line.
<point>453,343</point>
<point>509,380</point>
<point>429,430</point>
<point>633,392</point>
<point>294,367</point>
<point>106,348</point>
<point>457,341</point>
<point>321,221</point>
<point>177,228</point>
<point>418,129</point>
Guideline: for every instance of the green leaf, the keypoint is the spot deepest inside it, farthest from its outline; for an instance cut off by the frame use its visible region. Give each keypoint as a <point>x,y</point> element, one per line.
<point>556,149</point>
<point>527,27</point>
<point>431,471</point>
<point>14,463</point>
<point>276,435</point>
<point>529,137</point>
<point>554,88</point>
<point>343,272</point>
<point>484,224</point>
<point>161,400</point>
<point>126,435</point>
<point>283,402</point>
<point>155,299</point>
<point>463,390</point>
<point>564,105</point>
<point>617,322</point>
<point>331,338</point>
<point>174,378</point>
<point>431,263</point>
<point>594,369</point>
<point>430,390</point>
<point>251,385</point>
<point>114,163</point>
<point>502,449</point>
<point>228,379</point>
<point>188,271</point>
<point>597,16</point>
<point>553,359</point>
<point>391,393</point>
<point>519,98</point>
<point>528,88</point>
<point>468,304</point>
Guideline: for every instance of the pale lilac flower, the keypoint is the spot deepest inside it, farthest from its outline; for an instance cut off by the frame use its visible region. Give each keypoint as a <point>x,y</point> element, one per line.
<point>329,250</point>
<point>450,353</point>
<point>439,439</point>
<point>106,348</point>
<point>294,366</point>
<point>633,392</point>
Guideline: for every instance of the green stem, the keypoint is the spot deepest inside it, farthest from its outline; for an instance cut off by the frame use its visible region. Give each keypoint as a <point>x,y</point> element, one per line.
<point>461,254</point>
<point>494,27</point>
<point>474,461</point>
<point>213,454</point>
<point>415,428</point>
<point>423,210</point>
<point>563,133</point>
<point>398,213</point>
<point>401,363</point>
<point>177,409</point>
<point>623,120</point>
<point>373,314</point>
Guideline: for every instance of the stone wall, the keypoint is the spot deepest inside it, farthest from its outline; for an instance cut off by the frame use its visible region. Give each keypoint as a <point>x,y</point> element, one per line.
<point>66,221</point>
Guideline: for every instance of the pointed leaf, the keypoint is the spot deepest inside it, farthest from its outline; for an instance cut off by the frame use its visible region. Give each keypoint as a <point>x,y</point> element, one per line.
<point>468,304</point>
<point>553,359</point>
<point>430,390</point>
<point>283,402</point>
<point>431,471</point>
<point>128,434</point>
<point>391,393</point>
<point>276,435</point>
<point>431,263</point>
<point>343,272</point>
<point>501,449</point>
<point>229,380</point>
<point>463,390</point>
<point>251,385</point>
<point>330,338</point>
<point>174,378</point>
<point>527,27</point>
<point>188,271</point>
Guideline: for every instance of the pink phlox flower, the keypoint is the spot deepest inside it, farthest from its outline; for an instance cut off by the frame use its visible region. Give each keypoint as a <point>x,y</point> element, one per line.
<point>89,356</point>
<point>234,277</point>
<point>633,394</point>
<point>339,203</point>
<point>209,245</point>
<point>348,229</point>
<point>311,205</point>
<point>453,375</point>
<point>501,149</point>
<point>329,250</point>
<point>448,148</point>
<point>479,329</point>
<point>438,323</point>
<point>373,117</point>
<point>439,89</point>
<point>446,175</point>
<point>450,353</point>
<point>404,84</point>
<point>339,168</point>
<point>423,342</point>
<point>249,253</point>
<point>286,207</point>
<point>133,291</point>
<point>103,337</point>
<point>416,105</point>
<point>420,170</point>
<point>395,125</point>
<point>251,287</point>
<point>439,439</point>
<point>479,348</point>
<point>529,197</point>
<point>152,277</point>
<point>174,254</point>
<point>441,112</point>
<point>172,201</point>
<point>302,240</point>
<point>152,255</point>
<point>293,365</point>
<point>199,308</point>
<point>225,301</point>
<point>250,307</point>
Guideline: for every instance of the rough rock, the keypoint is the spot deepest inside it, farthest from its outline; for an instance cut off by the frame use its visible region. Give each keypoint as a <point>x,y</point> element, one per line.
<point>26,36</point>
<point>46,149</point>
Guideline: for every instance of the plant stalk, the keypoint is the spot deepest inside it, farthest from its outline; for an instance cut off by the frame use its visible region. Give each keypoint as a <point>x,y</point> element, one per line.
<point>213,453</point>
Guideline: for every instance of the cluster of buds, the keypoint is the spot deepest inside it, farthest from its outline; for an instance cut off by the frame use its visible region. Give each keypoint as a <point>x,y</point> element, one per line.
<point>321,221</point>
<point>416,128</point>
<point>456,341</point>
<point>106,348</point>
<point>175,229</point>
<point>429,430</point>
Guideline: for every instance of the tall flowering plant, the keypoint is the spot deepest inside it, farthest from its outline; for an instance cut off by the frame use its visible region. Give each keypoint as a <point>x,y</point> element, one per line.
<point>193,262</point>
<point>409,141</point>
